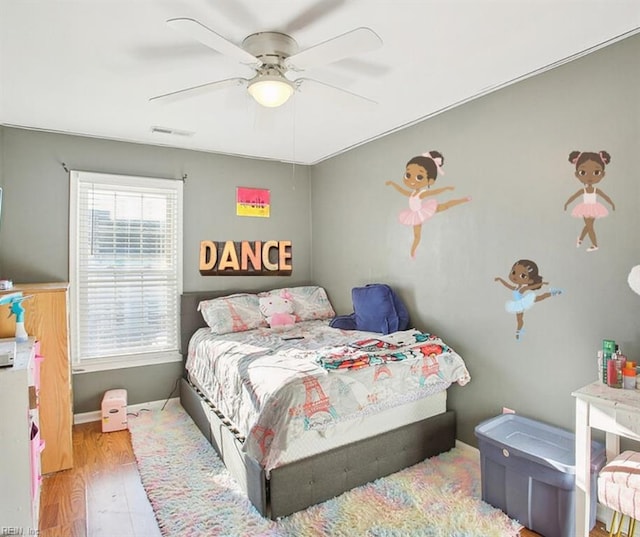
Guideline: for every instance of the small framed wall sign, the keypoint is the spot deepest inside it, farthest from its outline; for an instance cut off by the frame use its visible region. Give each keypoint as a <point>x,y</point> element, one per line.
<point>253,202</point>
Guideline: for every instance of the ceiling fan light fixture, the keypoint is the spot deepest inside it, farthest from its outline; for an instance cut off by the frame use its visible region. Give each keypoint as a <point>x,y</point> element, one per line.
<point>271,91</point>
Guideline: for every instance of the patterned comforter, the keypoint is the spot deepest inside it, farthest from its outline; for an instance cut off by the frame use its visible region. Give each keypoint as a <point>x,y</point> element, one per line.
<point>276,385</point>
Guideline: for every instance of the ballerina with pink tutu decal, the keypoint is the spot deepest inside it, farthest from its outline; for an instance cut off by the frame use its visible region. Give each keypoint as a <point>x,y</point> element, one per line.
<point>589,171</point>
<point>420,175</point>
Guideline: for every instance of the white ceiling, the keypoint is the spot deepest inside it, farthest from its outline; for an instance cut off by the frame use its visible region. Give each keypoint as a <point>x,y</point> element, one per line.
<point>89,67</point>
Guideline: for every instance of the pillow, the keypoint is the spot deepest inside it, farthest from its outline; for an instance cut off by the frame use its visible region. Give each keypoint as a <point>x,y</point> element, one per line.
<point>310,302</point>
<point>233,313</point>
<point>277,309</point>
<point>344,322</point>
<point>378,309</point>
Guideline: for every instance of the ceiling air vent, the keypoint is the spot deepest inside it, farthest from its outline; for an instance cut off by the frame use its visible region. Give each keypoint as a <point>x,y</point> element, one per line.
<point>169,131</point>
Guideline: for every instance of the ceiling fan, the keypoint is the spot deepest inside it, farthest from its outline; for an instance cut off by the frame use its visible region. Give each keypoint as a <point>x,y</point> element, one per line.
<point>273,56</point>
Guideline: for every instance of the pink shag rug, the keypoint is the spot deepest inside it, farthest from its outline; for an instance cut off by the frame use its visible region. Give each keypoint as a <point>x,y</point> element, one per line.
<point>192,494</point>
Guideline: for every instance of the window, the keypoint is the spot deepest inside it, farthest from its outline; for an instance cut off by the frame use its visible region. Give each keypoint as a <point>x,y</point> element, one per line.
<point>125,269</point>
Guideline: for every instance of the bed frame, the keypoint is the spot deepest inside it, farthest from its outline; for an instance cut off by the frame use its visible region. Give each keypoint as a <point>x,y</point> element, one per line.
<point>300,484</point>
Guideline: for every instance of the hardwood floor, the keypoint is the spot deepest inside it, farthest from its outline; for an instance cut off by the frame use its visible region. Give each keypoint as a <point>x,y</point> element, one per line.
<point>102,496</point>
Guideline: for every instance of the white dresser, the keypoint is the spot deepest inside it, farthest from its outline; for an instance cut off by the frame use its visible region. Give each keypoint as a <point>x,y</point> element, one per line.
<point>20,442</point>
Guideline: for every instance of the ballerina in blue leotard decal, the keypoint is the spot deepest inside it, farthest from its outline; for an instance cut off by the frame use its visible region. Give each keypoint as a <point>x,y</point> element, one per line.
<point>525,281</point>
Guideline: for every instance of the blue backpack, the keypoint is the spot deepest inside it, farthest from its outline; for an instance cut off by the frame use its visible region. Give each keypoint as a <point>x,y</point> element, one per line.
<point>376,308</point>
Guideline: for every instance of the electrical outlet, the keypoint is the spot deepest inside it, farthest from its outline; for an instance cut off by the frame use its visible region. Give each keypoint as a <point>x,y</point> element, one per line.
<point>506,410</point>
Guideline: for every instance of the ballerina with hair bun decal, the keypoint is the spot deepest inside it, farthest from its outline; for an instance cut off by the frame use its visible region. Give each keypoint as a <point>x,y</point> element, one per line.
<point>420,175</point>
<point>590,170</point>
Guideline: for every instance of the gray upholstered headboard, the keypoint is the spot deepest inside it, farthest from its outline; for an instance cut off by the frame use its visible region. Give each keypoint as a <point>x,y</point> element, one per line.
<point>190,318</point>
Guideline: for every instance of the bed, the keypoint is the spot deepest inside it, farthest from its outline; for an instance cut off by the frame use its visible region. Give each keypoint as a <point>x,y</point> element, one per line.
<point>348,407</point>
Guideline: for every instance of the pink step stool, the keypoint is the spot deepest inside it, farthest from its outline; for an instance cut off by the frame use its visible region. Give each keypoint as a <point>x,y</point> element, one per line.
<point>114,411</point>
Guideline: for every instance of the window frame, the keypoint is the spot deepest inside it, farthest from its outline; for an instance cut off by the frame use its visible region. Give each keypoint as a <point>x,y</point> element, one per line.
<point>88,365</point>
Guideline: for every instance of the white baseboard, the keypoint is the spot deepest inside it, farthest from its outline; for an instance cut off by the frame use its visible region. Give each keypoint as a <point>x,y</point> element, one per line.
<point>467,447</point>
<point>86,417</point>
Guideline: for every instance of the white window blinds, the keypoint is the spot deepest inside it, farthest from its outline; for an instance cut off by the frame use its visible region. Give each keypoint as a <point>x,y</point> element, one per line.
<point>125,265</point>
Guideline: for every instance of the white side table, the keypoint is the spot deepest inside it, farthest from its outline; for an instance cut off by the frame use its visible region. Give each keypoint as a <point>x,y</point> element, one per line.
<point>613,410</point>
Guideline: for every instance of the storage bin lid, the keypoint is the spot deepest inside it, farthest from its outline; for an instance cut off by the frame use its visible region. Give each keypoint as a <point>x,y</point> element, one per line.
<point>537,441</point>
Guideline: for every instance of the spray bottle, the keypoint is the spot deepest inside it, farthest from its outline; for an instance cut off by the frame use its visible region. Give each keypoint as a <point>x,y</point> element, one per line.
<point>16,308</point>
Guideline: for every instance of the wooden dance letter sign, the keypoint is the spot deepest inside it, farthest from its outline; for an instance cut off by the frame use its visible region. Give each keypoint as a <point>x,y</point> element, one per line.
<point>245,258</point>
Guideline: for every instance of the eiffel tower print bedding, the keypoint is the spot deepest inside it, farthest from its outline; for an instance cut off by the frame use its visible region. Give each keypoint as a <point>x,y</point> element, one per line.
<point>312,383</point>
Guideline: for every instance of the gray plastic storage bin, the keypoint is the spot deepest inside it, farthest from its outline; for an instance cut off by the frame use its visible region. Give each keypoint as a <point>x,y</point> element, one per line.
<point>528,471</point>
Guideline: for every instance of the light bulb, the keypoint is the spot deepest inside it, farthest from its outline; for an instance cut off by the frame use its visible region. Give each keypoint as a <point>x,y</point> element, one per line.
<point>271,91</point>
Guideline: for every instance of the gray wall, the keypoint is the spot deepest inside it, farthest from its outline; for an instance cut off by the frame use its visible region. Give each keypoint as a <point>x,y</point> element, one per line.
<point>509,151</point>
<point>34,243</point>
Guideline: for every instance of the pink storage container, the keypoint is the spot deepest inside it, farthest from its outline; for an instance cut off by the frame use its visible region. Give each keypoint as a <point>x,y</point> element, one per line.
<point>114,410</point>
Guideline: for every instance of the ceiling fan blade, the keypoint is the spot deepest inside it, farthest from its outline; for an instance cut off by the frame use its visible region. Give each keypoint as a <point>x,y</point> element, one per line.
<point>312,14</point>
<point>298,82</point>
<point>337,48</point>
<point>198,90</point>
<point>212,39</point>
